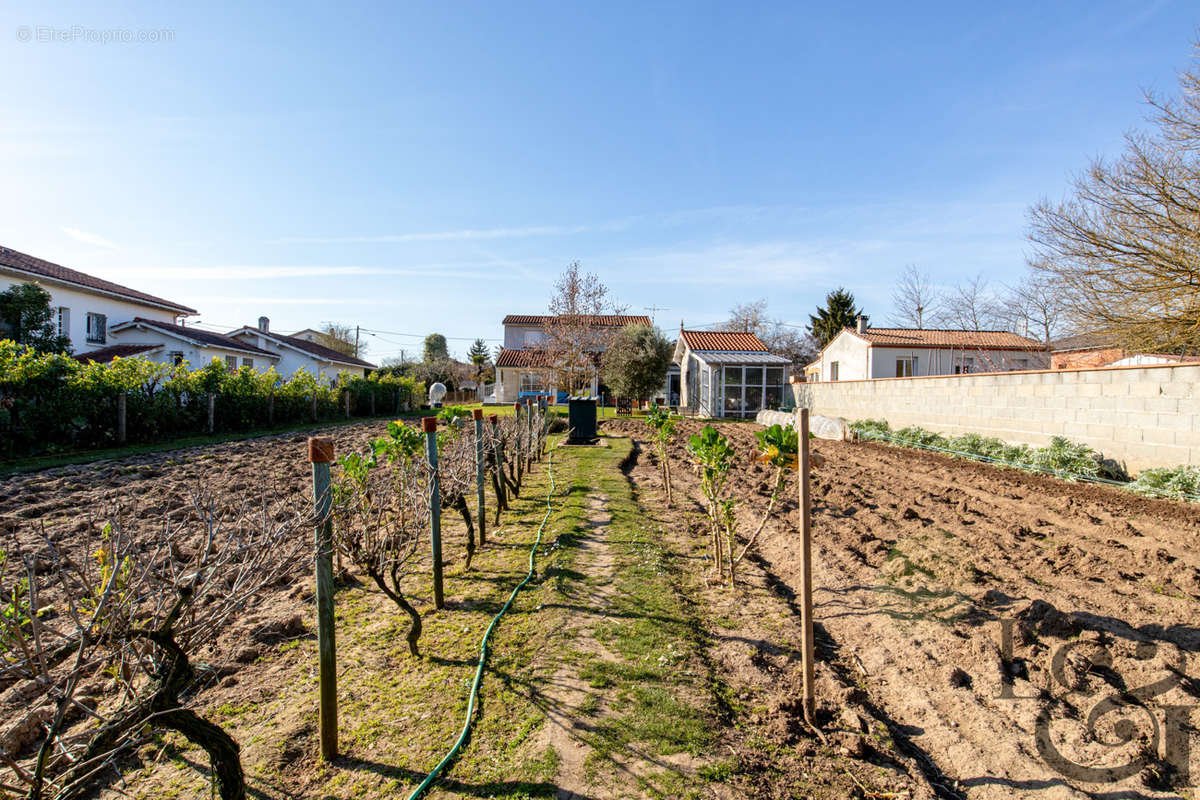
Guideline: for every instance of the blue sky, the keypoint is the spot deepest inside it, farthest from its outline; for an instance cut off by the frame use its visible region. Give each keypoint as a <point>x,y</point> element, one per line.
<point>421,167</point>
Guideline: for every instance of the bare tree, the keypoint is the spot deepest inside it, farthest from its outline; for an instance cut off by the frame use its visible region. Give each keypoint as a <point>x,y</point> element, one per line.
<point>1123,251</point>
<point>916,301</point>
<point>780,338</point>
<point>1035,307</point>
<point>341,338</point>
<point>971,306</point>
<point>572,333</point>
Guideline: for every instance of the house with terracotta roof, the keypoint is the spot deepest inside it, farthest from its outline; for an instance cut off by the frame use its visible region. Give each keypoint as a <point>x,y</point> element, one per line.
<point>296,352</point>
<point>86,307</point>
<point>863,353</point>
<point>169,343</point>
<point>728,374</point>
<point>523,368</point>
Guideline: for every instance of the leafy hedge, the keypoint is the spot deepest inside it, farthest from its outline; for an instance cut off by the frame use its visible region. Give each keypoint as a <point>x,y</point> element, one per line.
<point>52,403</point>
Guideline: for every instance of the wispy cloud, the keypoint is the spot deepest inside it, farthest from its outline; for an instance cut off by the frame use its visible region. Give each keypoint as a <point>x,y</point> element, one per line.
<point>469,234</point>
<point>87,238</point>
<point>231,272</point>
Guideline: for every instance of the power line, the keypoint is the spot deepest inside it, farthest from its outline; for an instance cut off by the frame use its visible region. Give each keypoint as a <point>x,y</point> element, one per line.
<point>423,335</point>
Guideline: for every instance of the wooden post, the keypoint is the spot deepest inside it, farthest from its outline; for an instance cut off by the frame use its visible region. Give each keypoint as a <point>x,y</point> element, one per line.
<point>502,494</point>
<point>320,453</point>
<point>212,411</point>
<point>121,417</point>
<point>808,650</point>
<point>314,407</point>
<point>397,402</point>
<point>429,425</point>
<point>271,408</point>
<point>372,402</point>
<point>346,394</point>
<point>529,432</point>
<point>518,447</point>
<point>477,415</point>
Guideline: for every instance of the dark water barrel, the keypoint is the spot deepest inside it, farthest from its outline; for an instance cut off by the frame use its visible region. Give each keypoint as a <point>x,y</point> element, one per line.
<point>581,420</point>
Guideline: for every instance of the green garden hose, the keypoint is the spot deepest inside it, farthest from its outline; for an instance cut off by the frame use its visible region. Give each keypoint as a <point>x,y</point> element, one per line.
<point>483,646</point>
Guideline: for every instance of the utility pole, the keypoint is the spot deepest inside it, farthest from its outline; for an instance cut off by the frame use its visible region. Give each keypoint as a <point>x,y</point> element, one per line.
<point>356,341</point>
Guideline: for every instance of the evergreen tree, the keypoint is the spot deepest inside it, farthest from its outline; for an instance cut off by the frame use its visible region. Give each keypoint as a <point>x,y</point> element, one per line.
<point>838,313</point>
<point>479,356</point>
<point>26,318</point>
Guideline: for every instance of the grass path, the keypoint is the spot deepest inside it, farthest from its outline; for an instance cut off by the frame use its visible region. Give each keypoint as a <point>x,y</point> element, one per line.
<point>596,686</point>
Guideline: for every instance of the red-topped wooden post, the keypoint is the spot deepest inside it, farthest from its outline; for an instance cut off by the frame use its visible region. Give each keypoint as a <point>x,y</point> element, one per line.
<point>320,453</point>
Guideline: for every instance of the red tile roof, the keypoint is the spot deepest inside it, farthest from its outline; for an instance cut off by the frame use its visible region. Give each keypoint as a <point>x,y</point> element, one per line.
<point>107,354</point>
<point>600,320</point>
<point>39,267</point>
<point>970,340</point>
<point>732,341</point>
<point>202,338</point>
<point>522,358</point>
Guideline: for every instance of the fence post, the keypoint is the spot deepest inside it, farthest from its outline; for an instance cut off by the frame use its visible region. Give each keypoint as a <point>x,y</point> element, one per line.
<point>545,409</point>
<point>271,408</point>
<point>346,393</point>
<point>212,411</point>
<point>808,651</point>
<point>429,425</point>
<point>320,453</point>
<point>314,406</point>
<point>121,417</point>
<point>477,415</point>
<point>372,402</point>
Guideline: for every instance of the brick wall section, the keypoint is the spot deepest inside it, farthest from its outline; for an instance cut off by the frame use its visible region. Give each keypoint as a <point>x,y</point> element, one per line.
<point>1140,416</point>
<point>1082,359</point>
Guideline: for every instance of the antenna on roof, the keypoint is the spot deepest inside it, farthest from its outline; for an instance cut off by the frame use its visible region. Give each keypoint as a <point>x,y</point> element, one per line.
<point>652,309</point>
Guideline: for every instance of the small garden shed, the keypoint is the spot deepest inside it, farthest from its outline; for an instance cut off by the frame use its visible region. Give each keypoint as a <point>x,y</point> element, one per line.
<point>728,374</point>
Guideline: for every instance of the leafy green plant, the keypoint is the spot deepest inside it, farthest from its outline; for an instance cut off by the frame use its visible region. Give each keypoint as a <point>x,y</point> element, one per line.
<point>449,414</point>
<point>659,420</point>
<point>778,446</point>
<point>1181,483</point>
<point>714,457</point>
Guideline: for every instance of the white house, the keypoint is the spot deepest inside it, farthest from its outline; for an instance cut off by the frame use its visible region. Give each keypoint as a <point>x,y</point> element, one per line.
<point>173,344</point>
<point>728,374</point>
<point>293,353</point>
<point>523,370</point>
<point>86,307</point>
<point>862,353</point>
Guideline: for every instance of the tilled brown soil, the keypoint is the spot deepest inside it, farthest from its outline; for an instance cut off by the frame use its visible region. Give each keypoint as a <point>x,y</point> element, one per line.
<point>1017,635</point>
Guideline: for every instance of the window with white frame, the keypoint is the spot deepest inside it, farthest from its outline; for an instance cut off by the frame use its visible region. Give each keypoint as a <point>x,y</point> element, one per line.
<point>965,366</point>
<point>97,328</point>
<point>248,362</point>
<point>231,363</point>
<point>906,366</point>
<point>533,338</point>
<point>532,382</point>
<point>64,321</point>
<point>833,370</point>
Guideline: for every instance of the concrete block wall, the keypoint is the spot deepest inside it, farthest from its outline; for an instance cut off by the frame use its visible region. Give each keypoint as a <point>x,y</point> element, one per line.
<point>1140,416</point>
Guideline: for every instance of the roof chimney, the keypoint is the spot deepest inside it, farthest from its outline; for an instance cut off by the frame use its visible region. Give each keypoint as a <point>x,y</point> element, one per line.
<point>862,323</point>
<point>264,324</point>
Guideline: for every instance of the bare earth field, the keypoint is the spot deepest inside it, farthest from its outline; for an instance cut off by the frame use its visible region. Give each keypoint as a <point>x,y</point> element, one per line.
<point>919,561</point>
<point>969,620</point>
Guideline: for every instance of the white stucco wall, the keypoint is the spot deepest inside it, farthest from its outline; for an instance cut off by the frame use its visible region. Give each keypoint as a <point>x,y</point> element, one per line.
<point>81,303</point>
<point>850,353</point>
<point>291,361</point>
<point>196,357</point>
